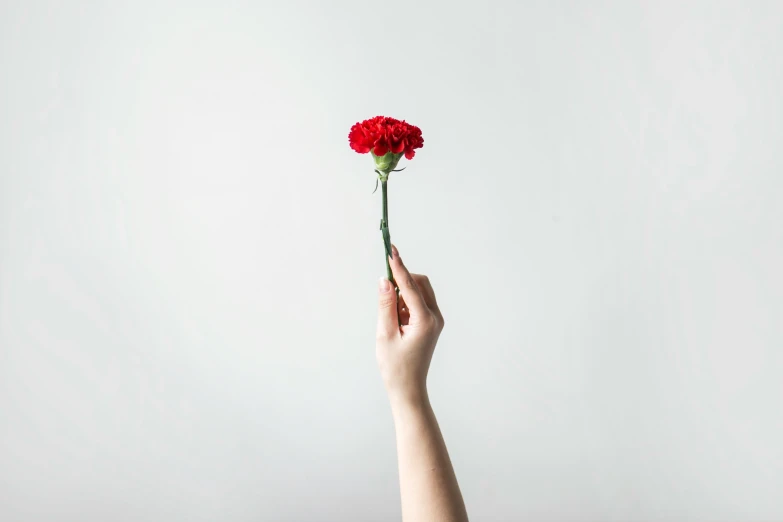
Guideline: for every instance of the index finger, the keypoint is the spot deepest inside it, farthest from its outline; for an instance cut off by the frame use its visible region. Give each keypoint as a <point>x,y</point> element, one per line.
<point>407,285</point>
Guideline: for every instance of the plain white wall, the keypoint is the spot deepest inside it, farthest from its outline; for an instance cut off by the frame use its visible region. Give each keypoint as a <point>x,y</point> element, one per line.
<point>189,253</point>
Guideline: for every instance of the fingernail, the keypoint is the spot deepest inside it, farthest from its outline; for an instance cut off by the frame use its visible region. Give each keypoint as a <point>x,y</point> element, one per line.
<point>383,285</point>
<point>395,253</point>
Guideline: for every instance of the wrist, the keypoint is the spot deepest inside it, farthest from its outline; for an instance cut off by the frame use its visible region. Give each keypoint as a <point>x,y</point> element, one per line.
<point>407,401</point>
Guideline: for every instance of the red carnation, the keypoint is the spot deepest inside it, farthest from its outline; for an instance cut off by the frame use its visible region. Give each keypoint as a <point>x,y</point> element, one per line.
<point>388,140</point>
<point>381,135</point>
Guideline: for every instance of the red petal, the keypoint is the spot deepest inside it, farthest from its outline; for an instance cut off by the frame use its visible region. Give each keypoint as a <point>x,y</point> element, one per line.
<point>360,148</point>
<point>398,146</point>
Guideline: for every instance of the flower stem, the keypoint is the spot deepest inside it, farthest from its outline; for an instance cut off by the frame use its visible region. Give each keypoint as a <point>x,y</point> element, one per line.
<point>385,230</point>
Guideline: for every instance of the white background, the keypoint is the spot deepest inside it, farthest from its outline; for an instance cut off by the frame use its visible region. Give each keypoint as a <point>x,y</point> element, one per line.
<point>189,254</point>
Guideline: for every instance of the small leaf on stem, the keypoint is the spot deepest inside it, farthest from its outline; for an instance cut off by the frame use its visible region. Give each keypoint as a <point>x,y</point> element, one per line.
<point>386,239</point>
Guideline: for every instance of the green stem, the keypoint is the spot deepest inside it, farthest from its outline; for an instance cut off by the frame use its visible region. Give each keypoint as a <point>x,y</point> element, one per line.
<point>385,223</point>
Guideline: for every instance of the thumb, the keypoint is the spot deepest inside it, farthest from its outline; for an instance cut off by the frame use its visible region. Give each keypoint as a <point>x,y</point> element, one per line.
<point>388,323</point>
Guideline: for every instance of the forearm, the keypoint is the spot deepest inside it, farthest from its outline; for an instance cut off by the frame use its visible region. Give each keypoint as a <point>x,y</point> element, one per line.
<point>428,485</point>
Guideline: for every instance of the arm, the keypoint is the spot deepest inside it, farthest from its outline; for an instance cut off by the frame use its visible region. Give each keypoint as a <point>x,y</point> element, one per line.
<point>408,329</point>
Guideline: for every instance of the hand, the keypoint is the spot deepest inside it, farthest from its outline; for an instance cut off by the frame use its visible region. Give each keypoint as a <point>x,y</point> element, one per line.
<point>408,329</point>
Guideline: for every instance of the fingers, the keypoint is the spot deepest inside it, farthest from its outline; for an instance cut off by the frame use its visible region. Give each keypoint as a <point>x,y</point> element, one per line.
<point>425,288</point>
<point>388,324</point>
<point>402,311</point>
<point>408,288</point>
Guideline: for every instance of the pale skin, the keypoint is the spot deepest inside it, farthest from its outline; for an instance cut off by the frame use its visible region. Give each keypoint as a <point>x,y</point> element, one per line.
<point>408,330</point>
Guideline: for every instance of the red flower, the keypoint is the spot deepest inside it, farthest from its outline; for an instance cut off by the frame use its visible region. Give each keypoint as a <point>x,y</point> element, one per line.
<point>381,135</point>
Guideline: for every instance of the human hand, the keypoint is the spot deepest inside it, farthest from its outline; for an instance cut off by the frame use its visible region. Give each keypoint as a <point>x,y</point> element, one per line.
<point>408,329</point>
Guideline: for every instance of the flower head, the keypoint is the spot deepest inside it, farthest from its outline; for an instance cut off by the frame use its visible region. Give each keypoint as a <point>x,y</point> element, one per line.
<point>388,139</point>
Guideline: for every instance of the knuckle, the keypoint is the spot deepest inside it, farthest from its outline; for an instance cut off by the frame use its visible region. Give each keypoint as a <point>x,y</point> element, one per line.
<point>386,302</point>
<point>430,320</point>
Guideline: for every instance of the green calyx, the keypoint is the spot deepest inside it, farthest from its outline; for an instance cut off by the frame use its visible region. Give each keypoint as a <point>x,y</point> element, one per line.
<point>386,163</point>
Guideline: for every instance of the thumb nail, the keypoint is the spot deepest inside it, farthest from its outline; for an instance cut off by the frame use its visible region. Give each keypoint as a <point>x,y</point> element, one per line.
<point>383,285</point>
